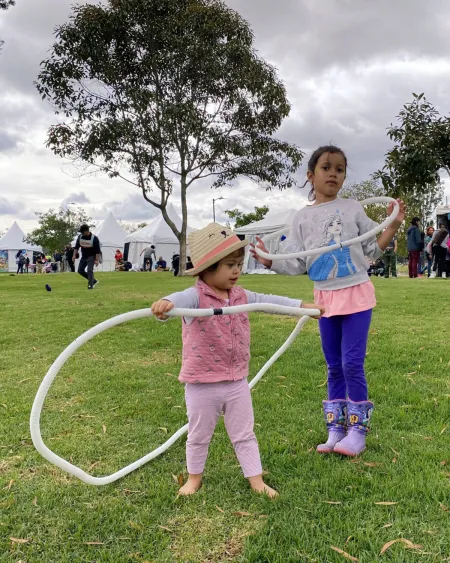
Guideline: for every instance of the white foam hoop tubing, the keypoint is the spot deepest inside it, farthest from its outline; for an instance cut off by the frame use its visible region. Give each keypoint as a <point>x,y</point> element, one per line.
<point>326,249</point>
<point>72,348</point>
<point>268,308</point>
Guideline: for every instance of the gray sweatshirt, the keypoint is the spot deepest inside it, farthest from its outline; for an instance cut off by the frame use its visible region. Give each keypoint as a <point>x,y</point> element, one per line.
<point>324,225</point>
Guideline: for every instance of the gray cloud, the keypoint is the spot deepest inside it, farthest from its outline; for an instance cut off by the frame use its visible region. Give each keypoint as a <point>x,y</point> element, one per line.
<point>75,197</point>
<point>7,207</point>
<point>132,208</point>
<point>7,141</point>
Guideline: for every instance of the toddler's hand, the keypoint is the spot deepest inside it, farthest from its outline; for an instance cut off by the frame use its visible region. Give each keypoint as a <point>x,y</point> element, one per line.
<point>160,307</point>
<point>314,306</point>
<point>257,257</point>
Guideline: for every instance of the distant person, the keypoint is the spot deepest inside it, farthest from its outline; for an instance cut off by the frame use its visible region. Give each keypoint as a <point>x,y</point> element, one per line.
<point>176,264</point>
<point>161,265</point>
<point>439,247</point>
<point>39,264</point>
<point>90,254</point>
<point>428,250</point>
<point>57,257</point>
<point>27,264</point>
<point>20,259</point>
<point>421,255</point>
<point>118,255</point>
<point>189,264</point>
<point>148,252</point>
<point>69,257</point>
<point>415,246</point>
<point>390,258</point>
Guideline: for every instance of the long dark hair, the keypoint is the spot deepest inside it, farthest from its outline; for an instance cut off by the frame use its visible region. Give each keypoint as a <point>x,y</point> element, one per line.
<point>314,159</point>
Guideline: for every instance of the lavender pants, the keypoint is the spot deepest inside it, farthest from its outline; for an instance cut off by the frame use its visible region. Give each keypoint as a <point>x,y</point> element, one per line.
<point>344,344</point>
<point>205,403</point>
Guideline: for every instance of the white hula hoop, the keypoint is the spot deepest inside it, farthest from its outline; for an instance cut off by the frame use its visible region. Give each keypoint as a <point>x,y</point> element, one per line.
<point>38,403</point>
<point>326,249</point>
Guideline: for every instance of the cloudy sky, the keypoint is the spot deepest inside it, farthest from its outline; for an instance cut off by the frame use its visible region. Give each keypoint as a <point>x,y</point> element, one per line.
<point>348,66</point>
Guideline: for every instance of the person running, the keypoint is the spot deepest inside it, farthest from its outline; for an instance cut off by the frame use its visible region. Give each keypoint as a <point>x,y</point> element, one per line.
<point>90,254</point>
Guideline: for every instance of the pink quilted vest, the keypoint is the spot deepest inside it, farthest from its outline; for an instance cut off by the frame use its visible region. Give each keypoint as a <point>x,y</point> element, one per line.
<point>216,348</point>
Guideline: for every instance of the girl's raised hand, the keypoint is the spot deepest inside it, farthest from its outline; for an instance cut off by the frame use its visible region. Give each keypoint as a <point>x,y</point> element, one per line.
<point>401,213</point>
<point>160,307</point>
<point>260,259</point>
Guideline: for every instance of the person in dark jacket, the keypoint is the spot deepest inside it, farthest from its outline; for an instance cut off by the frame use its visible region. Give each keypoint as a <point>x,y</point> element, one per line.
<point>176,264</point>
<point>68,256</point>
<point>439,246</point>
<point>415,246</point>
<point>90,254</point>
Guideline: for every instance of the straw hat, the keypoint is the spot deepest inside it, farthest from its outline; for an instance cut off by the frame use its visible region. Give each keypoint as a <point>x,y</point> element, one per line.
<point>210,244</point>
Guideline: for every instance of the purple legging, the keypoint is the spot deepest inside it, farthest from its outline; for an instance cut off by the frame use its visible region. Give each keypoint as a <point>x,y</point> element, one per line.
<point>344,343</point>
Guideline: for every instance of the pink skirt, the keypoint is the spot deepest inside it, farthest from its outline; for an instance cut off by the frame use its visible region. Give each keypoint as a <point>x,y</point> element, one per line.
<point>346,301</point>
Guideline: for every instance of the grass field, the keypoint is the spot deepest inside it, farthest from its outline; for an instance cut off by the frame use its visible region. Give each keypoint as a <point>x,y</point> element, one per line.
<point>119,398</point>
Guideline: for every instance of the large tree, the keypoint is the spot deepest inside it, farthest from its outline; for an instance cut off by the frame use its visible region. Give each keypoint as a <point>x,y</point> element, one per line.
<point>164,93</point>
<point>240,218</point>
<point>421,151</point>
<point>57,228</point>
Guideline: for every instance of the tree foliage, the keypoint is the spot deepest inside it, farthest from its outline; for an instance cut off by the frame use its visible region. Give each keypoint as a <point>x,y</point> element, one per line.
<point>131,227</point>
<point>421,151</point>
<point>164,93</point>
<point>364,190</point>
<point>242,219</point>
<point>57,228</point>
<point>417,206</point>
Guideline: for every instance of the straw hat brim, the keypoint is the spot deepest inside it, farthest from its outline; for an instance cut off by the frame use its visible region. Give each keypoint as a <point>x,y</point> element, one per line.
<point>217,257</point>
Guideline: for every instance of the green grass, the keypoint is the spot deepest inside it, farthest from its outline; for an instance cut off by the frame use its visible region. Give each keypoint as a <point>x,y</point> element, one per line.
<point>125,379</point>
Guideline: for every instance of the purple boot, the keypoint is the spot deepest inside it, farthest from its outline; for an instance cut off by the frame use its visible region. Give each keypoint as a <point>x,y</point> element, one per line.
<point>358,417</point>
<point>335,419</point>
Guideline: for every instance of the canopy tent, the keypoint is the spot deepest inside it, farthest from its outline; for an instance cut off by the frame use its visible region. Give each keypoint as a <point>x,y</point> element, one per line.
<point>158,233</point>
<point>10,244</point>
<point>443,216</point>
<point>111,236</point>
<point>274,221</point>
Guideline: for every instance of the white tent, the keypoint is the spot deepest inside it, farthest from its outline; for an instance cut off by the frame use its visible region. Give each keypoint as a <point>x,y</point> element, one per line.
<point>10,243</point>
<point>158,233</point>
<point>111,236</point>
<point>274,221</point>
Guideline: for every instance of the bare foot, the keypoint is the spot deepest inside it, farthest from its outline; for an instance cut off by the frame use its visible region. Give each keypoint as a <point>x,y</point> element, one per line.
<point>191,486</point>
<point>258,485</point>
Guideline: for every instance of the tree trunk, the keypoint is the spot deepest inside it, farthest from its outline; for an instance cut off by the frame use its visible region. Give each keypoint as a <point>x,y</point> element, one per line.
<point>182,238</point>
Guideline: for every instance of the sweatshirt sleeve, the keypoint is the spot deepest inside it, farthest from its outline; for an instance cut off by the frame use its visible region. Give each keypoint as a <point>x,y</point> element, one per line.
<point>370,247</point>
<point>187,299</point>
<point>294,243</point>
<point>253,297</point>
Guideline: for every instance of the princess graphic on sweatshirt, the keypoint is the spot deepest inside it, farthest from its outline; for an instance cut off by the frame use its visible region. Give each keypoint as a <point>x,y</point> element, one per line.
<point>336,264</point>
